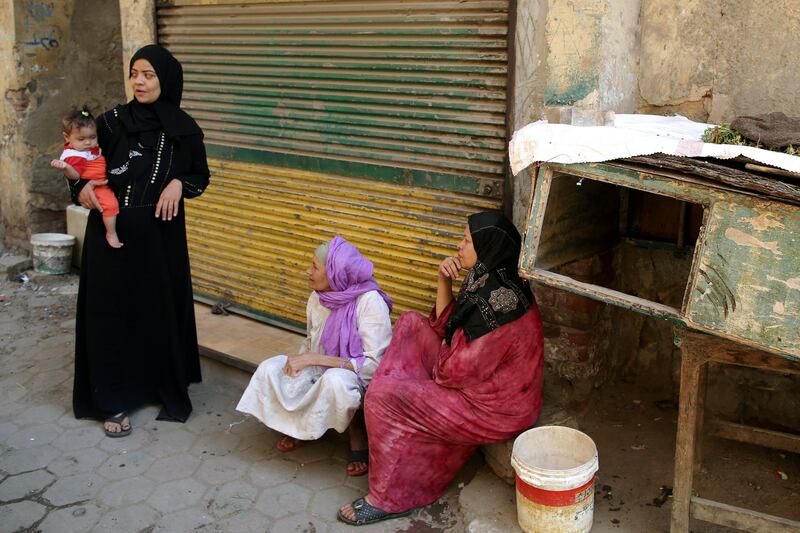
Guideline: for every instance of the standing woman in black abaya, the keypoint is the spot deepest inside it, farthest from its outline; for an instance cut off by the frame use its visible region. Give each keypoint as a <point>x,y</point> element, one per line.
<point>136,341</point>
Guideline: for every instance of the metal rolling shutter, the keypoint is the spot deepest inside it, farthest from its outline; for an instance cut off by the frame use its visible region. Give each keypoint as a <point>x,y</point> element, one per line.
<point>382,121</point>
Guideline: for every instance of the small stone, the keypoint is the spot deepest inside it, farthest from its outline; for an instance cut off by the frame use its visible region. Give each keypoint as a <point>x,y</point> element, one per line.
<point>80,511</point>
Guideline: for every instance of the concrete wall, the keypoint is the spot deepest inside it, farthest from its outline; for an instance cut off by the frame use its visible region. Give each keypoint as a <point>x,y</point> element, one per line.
<point>592,54</point>
<point>56,55</point>
<point>717,59</point>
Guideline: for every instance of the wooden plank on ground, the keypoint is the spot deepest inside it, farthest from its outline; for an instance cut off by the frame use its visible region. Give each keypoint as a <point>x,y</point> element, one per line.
<point>753,435</point>
<point>728,515</point>
<point>239,341</point>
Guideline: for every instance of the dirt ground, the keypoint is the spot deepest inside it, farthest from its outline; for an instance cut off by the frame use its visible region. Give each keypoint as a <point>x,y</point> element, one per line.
<point>634,429</point>
<point>633,426</point>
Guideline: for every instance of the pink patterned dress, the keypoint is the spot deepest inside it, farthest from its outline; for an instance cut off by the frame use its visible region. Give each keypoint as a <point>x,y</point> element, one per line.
<point>430,405</point>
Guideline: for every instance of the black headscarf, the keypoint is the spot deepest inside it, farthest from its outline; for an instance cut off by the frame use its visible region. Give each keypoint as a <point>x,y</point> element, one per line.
<point>165,114</point>
<point>492,294</point>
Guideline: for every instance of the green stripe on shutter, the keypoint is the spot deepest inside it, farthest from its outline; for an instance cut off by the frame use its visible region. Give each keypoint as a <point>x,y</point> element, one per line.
<point>416,87</point>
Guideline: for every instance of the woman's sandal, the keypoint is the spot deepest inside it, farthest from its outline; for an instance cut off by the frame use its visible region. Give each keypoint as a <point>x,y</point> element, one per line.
<point>366,514</point>
<point>117,419</point>
<point>358,456</point>
<point>284,446</point>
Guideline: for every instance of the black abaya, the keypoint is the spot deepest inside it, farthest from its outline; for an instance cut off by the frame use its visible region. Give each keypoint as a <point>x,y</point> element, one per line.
<point>136,340</point>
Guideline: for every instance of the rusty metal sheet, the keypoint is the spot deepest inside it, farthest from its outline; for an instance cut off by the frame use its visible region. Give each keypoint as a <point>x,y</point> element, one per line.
<point>399,91</point>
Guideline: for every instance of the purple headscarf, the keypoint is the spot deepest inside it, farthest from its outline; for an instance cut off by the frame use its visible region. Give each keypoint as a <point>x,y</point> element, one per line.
<point>349,276</point>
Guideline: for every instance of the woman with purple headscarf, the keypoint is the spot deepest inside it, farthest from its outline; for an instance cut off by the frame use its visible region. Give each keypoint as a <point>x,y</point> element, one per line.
<point>322,387</point>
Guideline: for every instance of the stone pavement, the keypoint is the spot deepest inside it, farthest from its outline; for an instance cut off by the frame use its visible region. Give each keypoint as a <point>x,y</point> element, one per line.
<point>218,472</point>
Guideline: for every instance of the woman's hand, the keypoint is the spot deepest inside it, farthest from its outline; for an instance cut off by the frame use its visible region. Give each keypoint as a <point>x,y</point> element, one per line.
<point>87,197</point>
<point>170,200</point>
<point>450,268</point>
<point>296,363</point>
<point>448,271</point>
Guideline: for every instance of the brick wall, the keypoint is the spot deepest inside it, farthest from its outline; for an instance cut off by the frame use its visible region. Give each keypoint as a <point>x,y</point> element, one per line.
<point>575,330</point>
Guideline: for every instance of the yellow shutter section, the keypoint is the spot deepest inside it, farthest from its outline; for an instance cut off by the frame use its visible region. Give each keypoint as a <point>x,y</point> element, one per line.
<point>382,121</point>
<point>253,233</point>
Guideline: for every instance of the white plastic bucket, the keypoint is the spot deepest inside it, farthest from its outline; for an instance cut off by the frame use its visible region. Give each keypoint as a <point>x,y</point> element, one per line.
<point>52,252</point>
<point>555,469</point>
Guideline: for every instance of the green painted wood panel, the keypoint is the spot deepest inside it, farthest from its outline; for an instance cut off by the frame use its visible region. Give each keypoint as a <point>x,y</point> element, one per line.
<point>747,276</point>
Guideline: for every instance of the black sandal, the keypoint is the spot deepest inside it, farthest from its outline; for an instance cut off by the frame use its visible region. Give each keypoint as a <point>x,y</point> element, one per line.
<point>358,456</point>
<point>367,514</point>
<point>117,419</point>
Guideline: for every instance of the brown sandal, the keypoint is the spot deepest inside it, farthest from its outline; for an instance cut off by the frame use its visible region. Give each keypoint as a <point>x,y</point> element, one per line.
<point>117,419</point>
<point>365,513</point>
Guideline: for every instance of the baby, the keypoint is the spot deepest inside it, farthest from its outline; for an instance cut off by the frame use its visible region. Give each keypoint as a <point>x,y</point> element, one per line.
<point>81,158</point>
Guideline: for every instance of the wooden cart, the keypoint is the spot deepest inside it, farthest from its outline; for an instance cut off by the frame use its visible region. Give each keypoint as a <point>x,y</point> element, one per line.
<point>742,300</point>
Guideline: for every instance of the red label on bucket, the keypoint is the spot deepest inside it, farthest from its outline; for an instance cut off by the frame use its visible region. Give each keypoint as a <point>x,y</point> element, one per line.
<point>555,498</point>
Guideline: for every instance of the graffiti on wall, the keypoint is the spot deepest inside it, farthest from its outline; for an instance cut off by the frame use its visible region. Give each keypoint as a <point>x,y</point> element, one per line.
<point>46,42</point>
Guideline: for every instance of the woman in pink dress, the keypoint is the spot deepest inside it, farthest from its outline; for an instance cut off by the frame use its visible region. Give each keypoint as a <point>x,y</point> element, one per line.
<point>468,374</point>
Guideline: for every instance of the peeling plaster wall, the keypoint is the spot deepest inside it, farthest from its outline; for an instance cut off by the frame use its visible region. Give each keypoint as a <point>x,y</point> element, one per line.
<point>574,35</point>
<point>592,54</point>
<point>715,59</point>
<point>619,68</point>
<point>61,54</point>
<point>574,53</point>
<point>706,59</point>
<point>12,196</point>
<point>530,78</point>
<point>138,25</point>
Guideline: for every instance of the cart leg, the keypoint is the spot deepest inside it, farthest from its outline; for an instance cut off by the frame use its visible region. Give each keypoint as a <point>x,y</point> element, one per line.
<point>691,364</point>
<point>701,414</point>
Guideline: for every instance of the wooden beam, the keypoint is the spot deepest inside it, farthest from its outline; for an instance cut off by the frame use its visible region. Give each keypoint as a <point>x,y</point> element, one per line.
<point>772,170</point>
<point>692,363</point>
<point>609,296</point>
<point>754,435</point>
<point>723,174</point>
<point>227,359</point>
<point>720,350</point>
<point>728,515</point>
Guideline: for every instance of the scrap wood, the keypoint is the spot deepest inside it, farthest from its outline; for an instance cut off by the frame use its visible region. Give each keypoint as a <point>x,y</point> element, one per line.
<point>723,174</point>
<point>771,170</point>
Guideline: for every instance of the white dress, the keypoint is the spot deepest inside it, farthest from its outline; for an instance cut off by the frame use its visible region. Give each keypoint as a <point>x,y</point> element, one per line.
<point>317,399</point>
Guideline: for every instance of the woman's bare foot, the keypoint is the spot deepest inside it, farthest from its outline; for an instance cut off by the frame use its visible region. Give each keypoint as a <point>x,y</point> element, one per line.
<point>113,240</point>
<point>357,464</point>
<point>288,444</point>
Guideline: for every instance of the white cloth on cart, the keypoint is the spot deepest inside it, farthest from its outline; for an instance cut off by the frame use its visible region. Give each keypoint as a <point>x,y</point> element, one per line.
<point>630,136</point>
